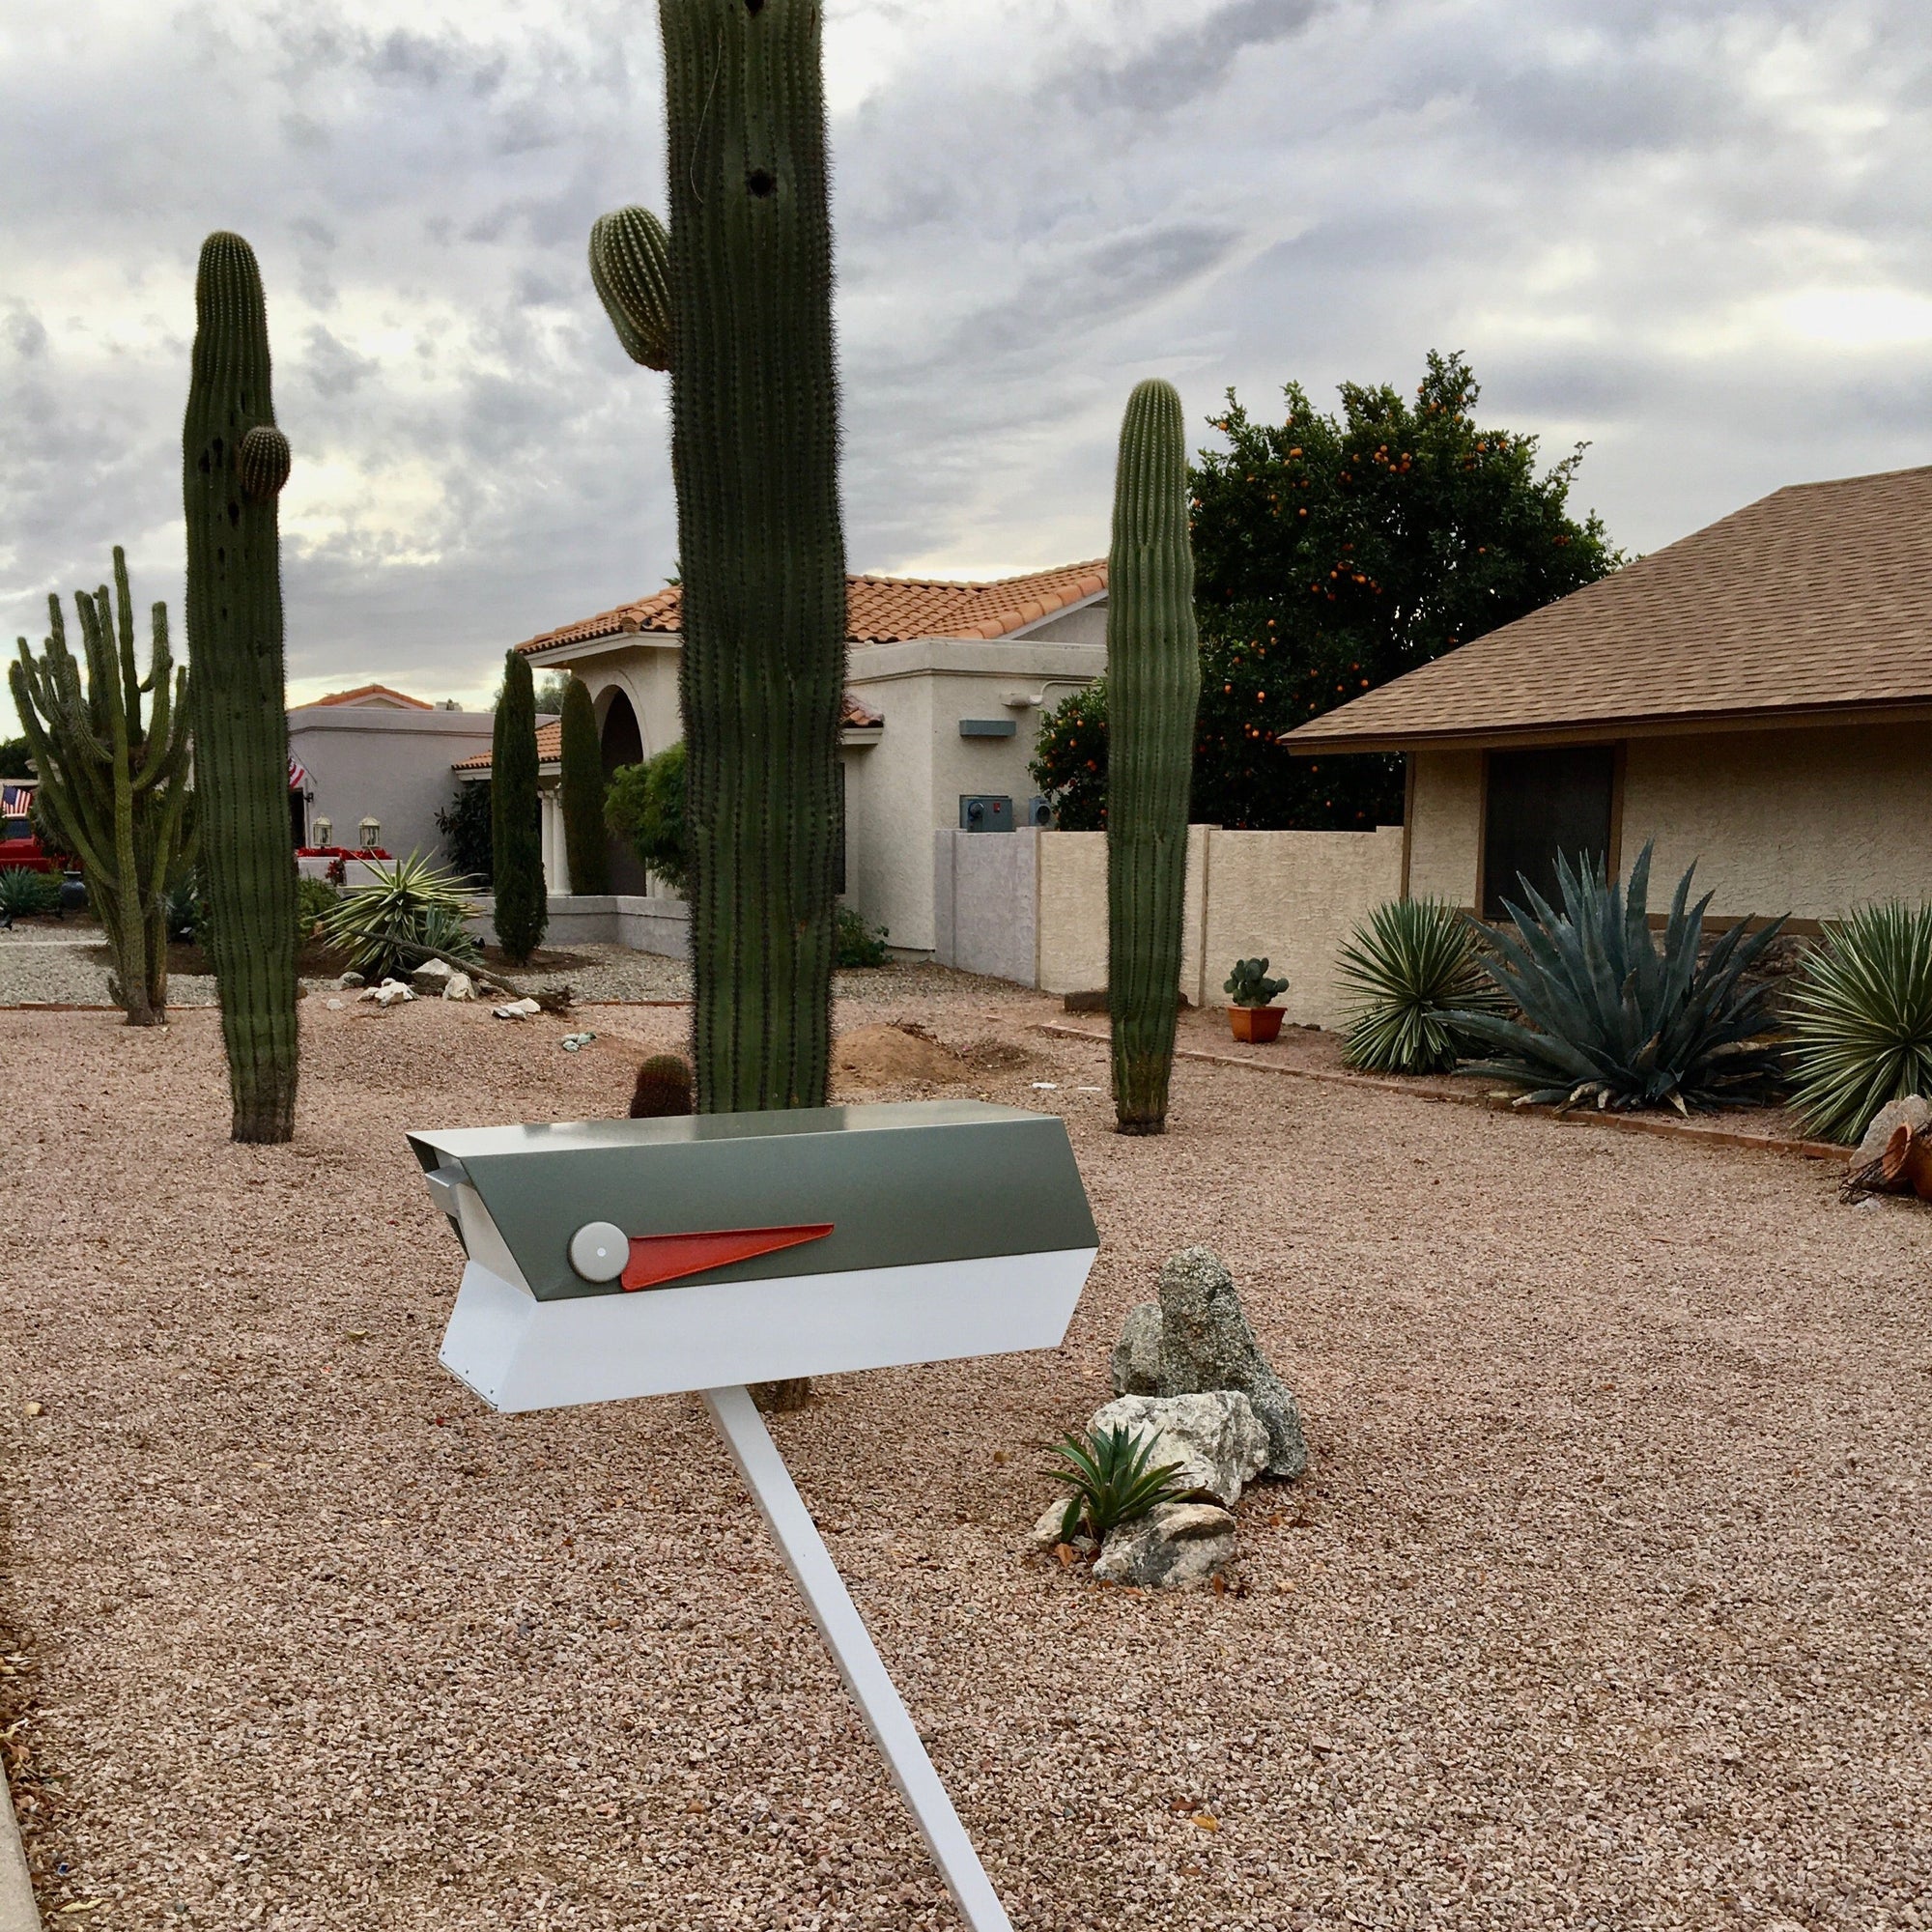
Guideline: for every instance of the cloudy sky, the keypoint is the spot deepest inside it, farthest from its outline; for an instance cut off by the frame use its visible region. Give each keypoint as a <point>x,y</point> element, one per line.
<point>1698,236</point>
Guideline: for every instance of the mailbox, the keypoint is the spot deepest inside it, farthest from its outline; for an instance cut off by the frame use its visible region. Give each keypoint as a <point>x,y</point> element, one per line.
<point>610,1259</point>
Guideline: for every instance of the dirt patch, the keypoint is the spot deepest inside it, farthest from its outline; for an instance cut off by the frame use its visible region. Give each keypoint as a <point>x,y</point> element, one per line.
<point>995,1055</point>
<point>902,1052</point>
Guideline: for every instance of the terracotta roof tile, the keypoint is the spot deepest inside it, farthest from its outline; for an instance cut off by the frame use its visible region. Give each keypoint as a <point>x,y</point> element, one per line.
<point>1816,598</point>
<point>374,693</point>
<point>882,610</point>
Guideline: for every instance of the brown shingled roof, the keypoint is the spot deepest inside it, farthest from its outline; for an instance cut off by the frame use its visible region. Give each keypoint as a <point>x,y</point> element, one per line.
<point>854,717</point>
<point>1814,600</point>
<point>883,609</point>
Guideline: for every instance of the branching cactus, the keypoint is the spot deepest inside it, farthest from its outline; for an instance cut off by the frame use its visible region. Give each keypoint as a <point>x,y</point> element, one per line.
<point>115,786</point>
<point>1154,679</point>
<point>233,464</point>
<point>743,319</point>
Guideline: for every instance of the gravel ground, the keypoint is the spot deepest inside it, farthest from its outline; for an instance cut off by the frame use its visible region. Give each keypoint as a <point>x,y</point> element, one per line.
<point>64,962</point>
<point>1605,1601</point>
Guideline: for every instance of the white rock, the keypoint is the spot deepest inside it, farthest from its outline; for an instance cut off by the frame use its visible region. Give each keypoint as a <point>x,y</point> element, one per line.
<point>432,974</point>
<point>387,993</point>
<point>1912,1111</point>
<point>349,979</point>
<point>333,1005</point>
<point>518,1009</point>
<point>1176,1546</point>
<point>1217,1438</point>
<point>458,986</point>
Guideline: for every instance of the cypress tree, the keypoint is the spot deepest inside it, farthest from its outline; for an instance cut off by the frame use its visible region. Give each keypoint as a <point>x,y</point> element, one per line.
<point>516,829</point>
<point>585,838</point>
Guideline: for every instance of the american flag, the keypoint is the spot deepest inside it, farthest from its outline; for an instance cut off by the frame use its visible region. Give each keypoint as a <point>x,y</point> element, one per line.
<point>298,774</point>
<point>14,801</point>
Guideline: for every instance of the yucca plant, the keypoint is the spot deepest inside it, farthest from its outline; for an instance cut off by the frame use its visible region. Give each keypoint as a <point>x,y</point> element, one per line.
<point>1609,1017</point>
<point>1110,1479</point>
<point>1412,964</point>
<point>409,912</point>
<point>1861,1019</point>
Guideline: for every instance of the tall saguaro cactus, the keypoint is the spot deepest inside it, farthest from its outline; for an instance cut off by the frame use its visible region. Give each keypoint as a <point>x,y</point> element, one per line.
<point>233,464</point>
<point>115,786</point>
<point>1153,681</point>
<point>754,449</point>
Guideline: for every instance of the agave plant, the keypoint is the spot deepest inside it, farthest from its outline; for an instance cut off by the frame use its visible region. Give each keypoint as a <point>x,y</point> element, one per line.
<point>409,912</point>
<point>1413,964</point>
<point>1607,1016</point>
<point>1110,1479</point>
<point>1861,1019</point>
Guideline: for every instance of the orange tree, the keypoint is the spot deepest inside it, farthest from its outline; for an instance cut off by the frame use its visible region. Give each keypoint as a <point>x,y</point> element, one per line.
<point>1332,554</point>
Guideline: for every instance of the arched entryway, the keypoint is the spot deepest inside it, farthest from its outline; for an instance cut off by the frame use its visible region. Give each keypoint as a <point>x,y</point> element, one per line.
<point>623,744</point>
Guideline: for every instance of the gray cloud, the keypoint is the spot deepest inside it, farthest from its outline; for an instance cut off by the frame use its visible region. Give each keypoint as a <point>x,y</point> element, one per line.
<point>1699,237</point>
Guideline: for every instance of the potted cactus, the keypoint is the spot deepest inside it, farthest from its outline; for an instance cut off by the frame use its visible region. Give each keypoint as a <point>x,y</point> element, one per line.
<point>1249,990</point>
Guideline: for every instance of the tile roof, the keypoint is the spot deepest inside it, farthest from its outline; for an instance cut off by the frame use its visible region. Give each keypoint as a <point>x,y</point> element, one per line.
<point>374,693</point>
<point>1817,598</point>
<point>883,609</point>
<point>854,717</point>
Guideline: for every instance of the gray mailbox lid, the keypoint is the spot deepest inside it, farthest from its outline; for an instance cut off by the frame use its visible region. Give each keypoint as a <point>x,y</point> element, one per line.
<point>921,1182</point>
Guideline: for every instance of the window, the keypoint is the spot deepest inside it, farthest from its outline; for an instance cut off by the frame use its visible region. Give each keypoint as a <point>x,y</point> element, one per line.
<point>1538,803</point>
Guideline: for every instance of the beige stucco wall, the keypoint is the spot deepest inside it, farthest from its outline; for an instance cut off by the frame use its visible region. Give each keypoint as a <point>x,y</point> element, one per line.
<point>1446,838</point>
<point>1291,897</point>
<point>1810,822</point>
<point>367,760</point>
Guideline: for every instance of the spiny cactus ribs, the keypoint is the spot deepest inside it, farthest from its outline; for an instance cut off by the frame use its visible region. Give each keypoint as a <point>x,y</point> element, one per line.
<point>262,461</point>
<point>1154,677</point>
<point>234,460</point>
<point>630,269</point>
<point>663,1089</point>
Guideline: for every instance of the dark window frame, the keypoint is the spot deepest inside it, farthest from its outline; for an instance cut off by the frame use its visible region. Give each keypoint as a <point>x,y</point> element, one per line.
<point>1613,840</point>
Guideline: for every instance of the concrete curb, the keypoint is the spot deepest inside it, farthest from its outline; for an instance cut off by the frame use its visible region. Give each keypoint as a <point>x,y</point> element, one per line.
<point>1375,1083</point>
<point>18,1910</point>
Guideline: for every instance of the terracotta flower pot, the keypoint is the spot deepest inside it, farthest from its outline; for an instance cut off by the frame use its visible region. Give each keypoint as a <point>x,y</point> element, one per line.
<point>1256,1024</point>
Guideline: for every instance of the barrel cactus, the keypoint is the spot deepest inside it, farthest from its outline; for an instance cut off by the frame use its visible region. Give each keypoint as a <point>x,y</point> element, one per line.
<point>662,1088</point>
<point>116,785</point>
<point>233,464</point>
<point>1153,675</point>
<point>743,319</point>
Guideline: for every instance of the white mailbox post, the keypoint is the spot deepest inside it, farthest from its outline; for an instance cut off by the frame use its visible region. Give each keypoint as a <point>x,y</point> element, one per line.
<point>613,1259</point>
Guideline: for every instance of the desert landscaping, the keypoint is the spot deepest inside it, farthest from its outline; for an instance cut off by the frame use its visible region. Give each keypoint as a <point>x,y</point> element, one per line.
<point>1604,1600</point>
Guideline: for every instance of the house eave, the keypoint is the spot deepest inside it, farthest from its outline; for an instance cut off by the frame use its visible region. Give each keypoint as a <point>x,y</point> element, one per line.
<point>1607,730</point>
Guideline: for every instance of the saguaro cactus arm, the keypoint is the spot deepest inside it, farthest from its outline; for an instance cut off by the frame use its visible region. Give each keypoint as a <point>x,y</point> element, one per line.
<point>630,269</point>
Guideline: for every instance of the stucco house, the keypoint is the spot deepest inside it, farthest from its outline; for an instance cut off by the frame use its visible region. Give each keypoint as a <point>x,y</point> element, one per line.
<point>376,753</point>
<point>1757,697</point>
<point>946,685</point>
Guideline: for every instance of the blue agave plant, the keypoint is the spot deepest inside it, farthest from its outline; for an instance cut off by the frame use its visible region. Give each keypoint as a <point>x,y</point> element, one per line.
<point>1607,1016</point>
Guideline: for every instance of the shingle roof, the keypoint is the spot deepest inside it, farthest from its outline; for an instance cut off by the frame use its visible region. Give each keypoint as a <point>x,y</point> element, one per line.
<point>854,717</point>
<point>1815,599</point>
<point>883,609</point>
<point>378,694</point>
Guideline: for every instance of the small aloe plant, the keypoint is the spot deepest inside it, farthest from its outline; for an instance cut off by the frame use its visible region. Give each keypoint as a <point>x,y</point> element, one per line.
<point>1111,1481</point>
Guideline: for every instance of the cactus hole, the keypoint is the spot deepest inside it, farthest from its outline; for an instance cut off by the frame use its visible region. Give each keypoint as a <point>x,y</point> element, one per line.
<point>762,181</point>
<point>754,5</point>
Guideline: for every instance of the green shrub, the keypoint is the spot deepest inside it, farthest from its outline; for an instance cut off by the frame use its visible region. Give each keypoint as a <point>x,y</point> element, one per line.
<point>188,909</point>
<point>28,894</point>
<point>1411,964</point>
<point>408,912</point>
<point>581,786</point>
<point>1110,1479</point>
<point>516,831</point>
<point>465,824</point>
<point>859,943</point>
<point>1861,1019</point>
<point>1607,1017</point>
<point>643,805</point>
<point>1069,761</point>
<point>315,900</point>
<point>1249,985</point>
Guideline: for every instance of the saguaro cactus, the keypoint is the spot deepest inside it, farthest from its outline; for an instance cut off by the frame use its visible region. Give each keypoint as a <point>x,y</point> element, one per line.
<point>516,831</point>
<point>630,269</point>
<point>233,464</point>
<point>1154,679</point>
<point>754,449</point>
<point>115,787</point>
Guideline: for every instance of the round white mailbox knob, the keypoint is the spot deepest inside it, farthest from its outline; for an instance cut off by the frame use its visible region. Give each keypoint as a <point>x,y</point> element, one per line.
<point>599,1251</point>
